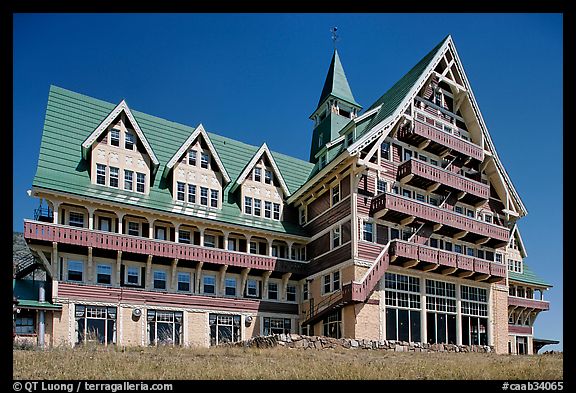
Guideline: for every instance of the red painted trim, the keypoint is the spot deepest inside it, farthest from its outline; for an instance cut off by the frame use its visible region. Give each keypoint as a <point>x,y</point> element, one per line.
<point>529,303</point>
<point>520,329</point>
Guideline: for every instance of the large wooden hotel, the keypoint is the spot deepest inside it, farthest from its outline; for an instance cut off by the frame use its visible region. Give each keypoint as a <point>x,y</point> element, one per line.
<point>402,225</point>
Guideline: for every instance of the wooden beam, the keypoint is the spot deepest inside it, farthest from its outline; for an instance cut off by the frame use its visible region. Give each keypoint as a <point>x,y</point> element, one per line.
<point>448,271</point>
<point>433,187</point>
<point>460,235</point>
<point>461,195</point>
<point>380,213</point>
<point>465,274</point>
<point>410,263</point>
<point>437,227</point>
<point>198,274</point>
<point>408,220</point>
<point>481,277</point>
<point>424,145</point>
<point>481,241</point>
<point>393,258</point>
<point>407,178</point>
<point>430,267</point>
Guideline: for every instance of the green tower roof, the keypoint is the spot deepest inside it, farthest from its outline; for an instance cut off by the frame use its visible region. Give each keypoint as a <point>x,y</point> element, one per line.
<point>336,83</point>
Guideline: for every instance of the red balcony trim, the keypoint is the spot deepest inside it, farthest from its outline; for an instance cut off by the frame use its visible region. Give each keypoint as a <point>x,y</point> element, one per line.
<point>520,329</point>
<point>529,303</point>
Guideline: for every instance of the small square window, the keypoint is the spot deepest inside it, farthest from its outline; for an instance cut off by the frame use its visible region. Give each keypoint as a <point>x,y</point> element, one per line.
<point>76,220</point>
<point>133,228</point>
<point>380,186</point>
<point>184,236</point>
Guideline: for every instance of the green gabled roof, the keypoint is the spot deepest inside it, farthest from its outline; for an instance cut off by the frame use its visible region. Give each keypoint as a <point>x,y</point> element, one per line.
<point>396,94</point>
<point>26,291</point>
<point>71,117</point>
<point>527,276</point>
<point>336,83</point>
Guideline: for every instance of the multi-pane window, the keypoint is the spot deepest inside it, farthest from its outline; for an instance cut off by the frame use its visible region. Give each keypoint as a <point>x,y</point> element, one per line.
<point>349,139</point>
<point>276,326</point>
<point>322,161</point>
<point>380,186</point>
<point>76,219</point>
<point>305,291</point>
<point>180,191</point>
<point>24,322</point>
<point>214,198</point>
<point>498,257</point>
<point>230,286</point>
<point>515,266</point>
<point>204,196</point>
<point>113,177</point>
<point>257,207</point>
<point>115,137</point>
<point>209,284</point>
<point>133,275</point>
<point>335,194</point>
<point>192,193</point>
<point>104,274</point>
<point>96,324</point>
<point>253,248</point>
<point>184,282</point>
<point>402,299</point>
<point>276,211</point>
<point>332,324</point>
<point>184,236</point>
<point>159,279</point>
<point>331,282</point>
<point>210,241</point>
<point>273,290</point>
<point>367,231</point>
<point>192,157</point>
<point>474,309</point>
<point>128,180</point>
<point>252,288</point>
<point>101,174</point>
<point>204,160</point>
<point>441,312</point>
<point>75,270</point>
<point>268,176</point>
<point>140,181</point>
<point>165,327</point>
<point>267,209</point>
<point>291,293</point>
<point>407,154</point>
<point>257,174</point>
<point>129,141</point>
<point>385,150</point>
<point>224,328</point>
<point>133,228</point>
<point>302,214</point>
<point>336,238</point>
<point>247,205</point>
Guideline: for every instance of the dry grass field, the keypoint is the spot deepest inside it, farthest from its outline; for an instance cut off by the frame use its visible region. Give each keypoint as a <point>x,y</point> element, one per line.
<point>276,363</point>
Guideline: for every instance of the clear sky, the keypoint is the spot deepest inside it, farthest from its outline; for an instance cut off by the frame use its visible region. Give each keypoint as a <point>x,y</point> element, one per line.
<point>257,78</point>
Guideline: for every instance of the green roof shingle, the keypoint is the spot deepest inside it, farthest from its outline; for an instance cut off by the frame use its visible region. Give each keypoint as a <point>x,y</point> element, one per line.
<point>336,83</point>
<point>527,276</point>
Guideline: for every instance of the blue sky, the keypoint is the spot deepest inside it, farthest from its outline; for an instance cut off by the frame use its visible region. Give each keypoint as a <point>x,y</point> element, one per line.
<point>257,78</point>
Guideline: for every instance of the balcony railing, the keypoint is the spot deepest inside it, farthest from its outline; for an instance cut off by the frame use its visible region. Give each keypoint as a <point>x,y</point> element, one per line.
<point>528,303</point>
<point>519,329</point>
<point>439,175</point>
<point>443,138</point>
<point>435,214</point>
<point>401,248</point>
<point>161,248</point>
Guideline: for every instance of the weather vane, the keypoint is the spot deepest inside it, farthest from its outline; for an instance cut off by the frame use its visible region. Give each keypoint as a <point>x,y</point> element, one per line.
<point>334,35</point>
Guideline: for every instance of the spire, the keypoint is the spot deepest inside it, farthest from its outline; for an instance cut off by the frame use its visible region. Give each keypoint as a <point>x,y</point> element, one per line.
<point>336,83</point>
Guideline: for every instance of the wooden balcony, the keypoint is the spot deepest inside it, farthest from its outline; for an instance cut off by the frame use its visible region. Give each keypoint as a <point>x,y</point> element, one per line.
<point>520,329</point>
<point>397,208</point>
<point>424,175</point>
<point>425,256</point>
<point>439,141</point>
<point>40,231</point>
<point>528,303</point>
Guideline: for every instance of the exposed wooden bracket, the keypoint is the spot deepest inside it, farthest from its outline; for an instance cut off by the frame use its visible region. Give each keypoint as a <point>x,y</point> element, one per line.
<point>430,267</point>
<point>393,258</point>
<point>408,220</point>
<point>481,277</point>
<point>465,274</point>
<point>424,145</point>
<point>433,187</point>
<point>481,241</point>
<point>380,214</point>
<point>437,227</point>
<point>461,195</point>
<point>460,234</point>
<point>406,178</point>
<point>410,263</point>
<point>448,271</point>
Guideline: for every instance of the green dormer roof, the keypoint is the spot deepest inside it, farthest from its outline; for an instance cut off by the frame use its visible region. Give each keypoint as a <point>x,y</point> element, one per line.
<point>336,84</point>
<point>527,276</point>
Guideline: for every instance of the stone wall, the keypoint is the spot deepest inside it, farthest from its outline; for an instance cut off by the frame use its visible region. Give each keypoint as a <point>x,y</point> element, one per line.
<point>318,342</point>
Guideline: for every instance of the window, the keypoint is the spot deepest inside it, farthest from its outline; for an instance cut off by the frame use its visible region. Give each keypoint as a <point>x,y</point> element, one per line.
<point>335,281</point>
<point>252,288</point>
<point>76,220</point>
<point>164,327</point>
<point>275,251</point>
<point>407,154</point>
<point>336,194</point>
<point>133,228</point>
<point>95,323</point>
<point>470,213</point>
<point>336,239</point>
<point>277,211</point>
<point>192,193</point>
<point>104,224</point>
<point>184,237</point>
<point>75,269</point>
<point>291,293</point>
<point>204,196</point>
<point>210,241</point>
<point>385,150</point>
<point>159,279</point>
<point>257,174</point>
<point>458,248</point>
<point>204,160</point>
<point>25,322</point>
<point>180,191</point>
<point>470,251</point>
<point>367,232</point>
<point>224,328</point>
<point>184,282</point>
<point>420,197</point>
<point>441,312</point>
<point>115,137</point>
<point>474,309</point>
<point>103,274</point>
<point>458,209</point>
<point>327,287</point>
<point>514,266</point>
<point>433,201</point>
<point>268,176</point>
<point>332,325</point>
<point>230,287</point>
<point>402,300</point>
<point>101,174</point>
<point>433,162</point>
<point>267,209</point>
<point>422,157</point>
<point>113,177</point>
<point>349,139</point>
<point>272,291</point>
<point>128,177</point>
<point>380,186</point>
<point>276,326</point>
<point>214,198</point>
<point>133,275</point>
<point>305,290</point>
<point>480,254</point>
<point>257,205</point>
<point>247,205</point>
<point>209,284</point>
<point>331,282</point>
<point>407,193</point>
<point>322,161</point>
<point>231,245</point>
<point>498,257</point>
<point>253,248</point>
<point>129,141</point>
<point>488,218</point>
<point>140,181</point>
<point>302,212</point>
<point>192,157</point>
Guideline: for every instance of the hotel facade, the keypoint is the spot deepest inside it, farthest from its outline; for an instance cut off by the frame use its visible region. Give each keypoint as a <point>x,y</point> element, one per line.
<point>402,225</point>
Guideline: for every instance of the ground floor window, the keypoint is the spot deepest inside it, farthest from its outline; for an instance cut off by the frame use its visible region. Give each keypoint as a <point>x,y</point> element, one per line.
<point>474,308</point>
<point>25,322</point>
<point>521,345</point>
<point>277,326</point>
<point>333,325</point>
<point>95,324</point>
<point>224,328</point>
<point>402,298</point>
<point>165,327</point>
<point>441,312</point>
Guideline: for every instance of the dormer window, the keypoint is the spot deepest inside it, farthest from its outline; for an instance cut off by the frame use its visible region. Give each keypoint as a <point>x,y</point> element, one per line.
<point>113,177</point>
<point>205,161</point>
<point>129,141</point>
<point>140,182</point>
<point>268,177</point>
<point>257,174</point>
<point>128,179</point>
<point>322,161</point>
<point>192,157</point>
<point>115,137</point>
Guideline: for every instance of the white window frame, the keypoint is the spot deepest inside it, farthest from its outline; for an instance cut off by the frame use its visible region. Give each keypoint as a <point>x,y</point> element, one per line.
<point>128,179</point>
<point>113,139</point>
<point>180,191</point>
<point>204,160</point>
<point>257,174</point>
<point>140,182</point>
<point>276,212</point>
<point>126,275</point>
<point>74,262</point>
<point>115,176</point>
<point>192,158</point>
<point>128,229</point>
<point>364,223</point>
<point>100,175</point>
<point>204,195</point>
<point>268,176</point>
<point>74,223</point>
<point>257,287</point>
<point>267,209</point>
<point>214,198</point>
<point>154,279</point>
<point>336,236</point>
<point>107,266</point>
<point>335,194</point>
<point>379,182</point>
<point>257,211</point>
<point>248,205</point>
<point>129,138</point>
<point>191,193</point>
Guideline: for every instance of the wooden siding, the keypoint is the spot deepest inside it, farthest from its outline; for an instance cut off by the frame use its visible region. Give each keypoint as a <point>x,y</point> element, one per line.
<point>520,329</point>
<point>396,153</point>
<point>330,216</point>
<point>368,251</point>
<point>319,205</point>
<point>330,259</point>
<point>318,246</point>
<point>346,232</point>
<point>345,186</point>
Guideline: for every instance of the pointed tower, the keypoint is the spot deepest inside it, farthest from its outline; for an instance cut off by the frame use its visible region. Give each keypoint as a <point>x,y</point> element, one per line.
<point>335,108</point>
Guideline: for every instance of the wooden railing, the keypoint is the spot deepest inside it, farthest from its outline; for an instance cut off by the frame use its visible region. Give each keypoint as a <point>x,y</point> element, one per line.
<point>529,303</point>
<point>126,243</point>
<point>434,214</point>
<point>443,176</point>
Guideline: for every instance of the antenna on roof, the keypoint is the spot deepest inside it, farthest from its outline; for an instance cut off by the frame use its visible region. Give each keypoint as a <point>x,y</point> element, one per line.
<point>334,35</point>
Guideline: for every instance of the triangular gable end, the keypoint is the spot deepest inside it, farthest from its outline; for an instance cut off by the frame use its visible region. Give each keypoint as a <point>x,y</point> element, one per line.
<point>121,107</point>
<point>198,131</point>
<point>263,150</point>
<point>520,242</point>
